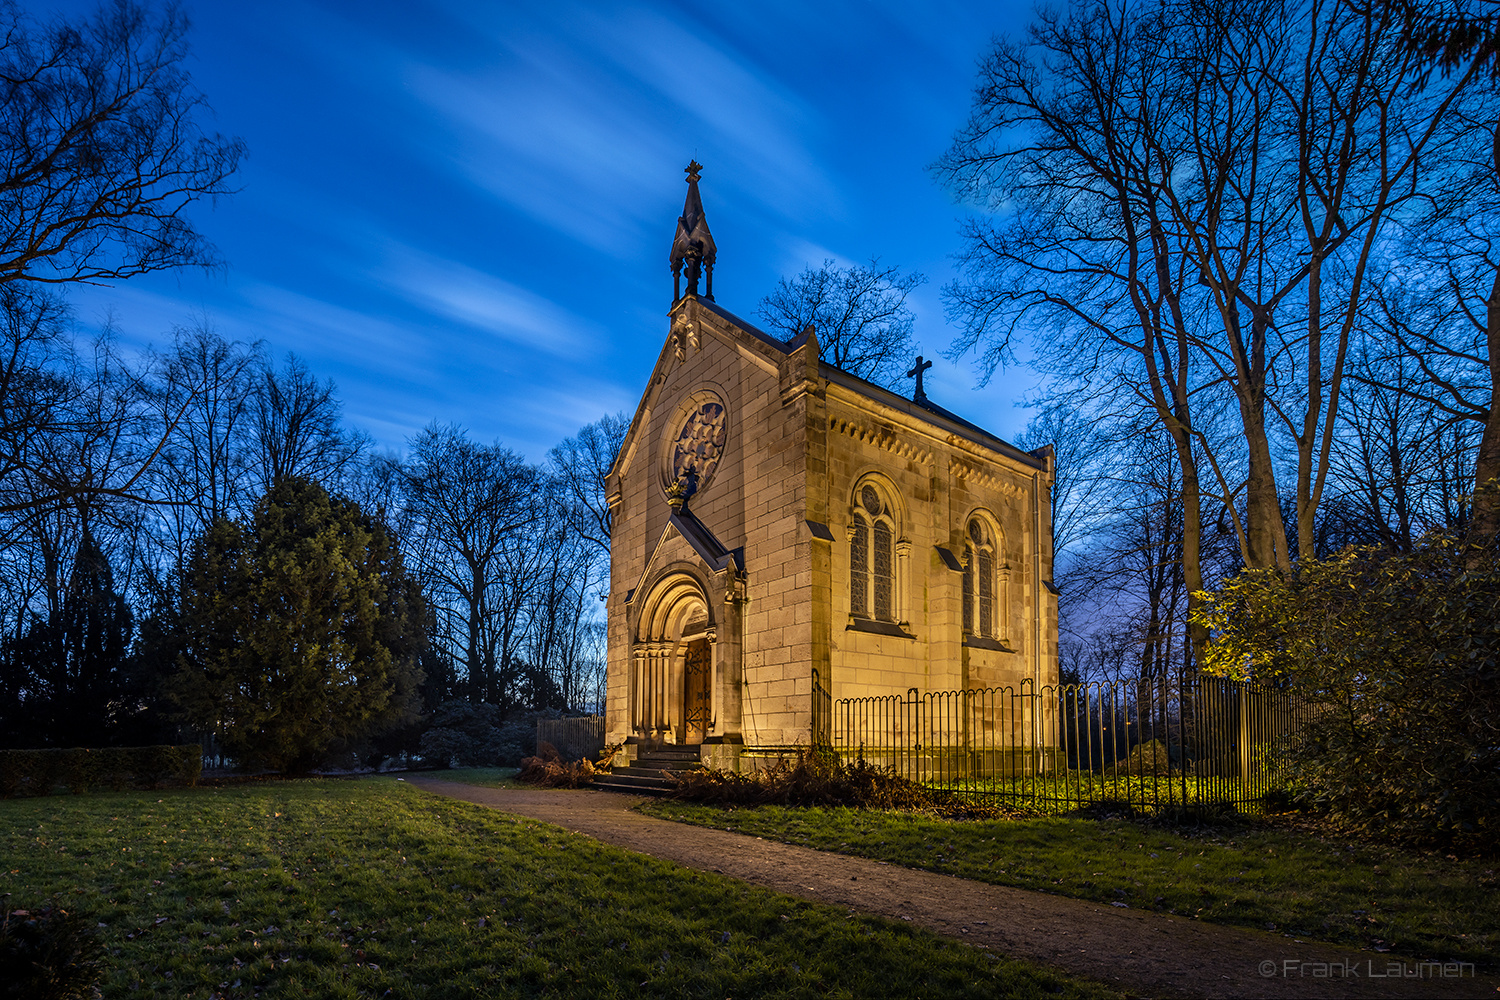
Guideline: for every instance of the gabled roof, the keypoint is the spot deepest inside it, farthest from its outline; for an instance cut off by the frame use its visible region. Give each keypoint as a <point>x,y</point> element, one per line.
<point>925,409</point>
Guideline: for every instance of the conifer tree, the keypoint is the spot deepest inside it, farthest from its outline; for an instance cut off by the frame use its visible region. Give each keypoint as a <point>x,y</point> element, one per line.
<point>64,674</point>
<point>301,631</point>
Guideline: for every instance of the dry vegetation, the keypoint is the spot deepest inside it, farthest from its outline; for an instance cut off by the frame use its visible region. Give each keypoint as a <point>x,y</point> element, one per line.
<point>816,777</point>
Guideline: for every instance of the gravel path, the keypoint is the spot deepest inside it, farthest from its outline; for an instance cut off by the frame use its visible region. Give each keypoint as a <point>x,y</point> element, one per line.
<point>1138,952</point>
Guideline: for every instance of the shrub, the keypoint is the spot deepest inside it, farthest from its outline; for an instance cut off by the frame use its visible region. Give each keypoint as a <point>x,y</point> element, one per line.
<point>189,764</point>
<point>466,735</point>
<point>48,954</point>
<point>1146,760</point>
<point>815,776</point>
<point>1398,656</point>
<point>114,767</point>
<point>37,772</point>
<point>549,770</point>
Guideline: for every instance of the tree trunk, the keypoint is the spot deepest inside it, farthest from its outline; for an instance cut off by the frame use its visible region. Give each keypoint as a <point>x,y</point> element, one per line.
<point>1485,512</point>
<point>1265,532</point>
<point>1192,541</point>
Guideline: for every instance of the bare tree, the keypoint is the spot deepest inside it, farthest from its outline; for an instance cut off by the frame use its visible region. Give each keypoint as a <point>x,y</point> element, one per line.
<point>1310,147</point>
<point>860,312</point>
<point>560,626</point>
<point>80,432</point>
<point>101,150</point>
<point>205,389</point>
<point>580,464</point>
<point>1404,460</point>
<point>39,377</point>
<point>1227,173</point>
<point>1459,39</point>
<point>471,505</point>
<point>1080,493</point>
<point>1069,150</point>
<point>297,428</point>
<point>101,153</point>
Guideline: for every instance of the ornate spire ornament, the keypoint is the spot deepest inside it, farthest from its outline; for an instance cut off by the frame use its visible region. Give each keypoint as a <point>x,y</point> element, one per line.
<point>682,489</point>
<point>693,246</point>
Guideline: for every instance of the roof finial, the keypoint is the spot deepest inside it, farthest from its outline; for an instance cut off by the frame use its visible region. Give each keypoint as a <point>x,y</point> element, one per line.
<point>694,244</point>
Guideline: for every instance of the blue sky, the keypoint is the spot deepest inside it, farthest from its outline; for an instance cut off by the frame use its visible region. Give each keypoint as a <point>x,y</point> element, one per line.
<point>462,211</point>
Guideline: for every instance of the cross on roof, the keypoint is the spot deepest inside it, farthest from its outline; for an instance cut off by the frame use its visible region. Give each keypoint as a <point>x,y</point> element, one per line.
<point>919,396</point>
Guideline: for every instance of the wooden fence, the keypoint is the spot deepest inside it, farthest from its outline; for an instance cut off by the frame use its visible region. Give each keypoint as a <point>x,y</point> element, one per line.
<point>577,738</point>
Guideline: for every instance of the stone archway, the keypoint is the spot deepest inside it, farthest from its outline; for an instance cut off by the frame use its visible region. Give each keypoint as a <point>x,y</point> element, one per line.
<point>673,663</point>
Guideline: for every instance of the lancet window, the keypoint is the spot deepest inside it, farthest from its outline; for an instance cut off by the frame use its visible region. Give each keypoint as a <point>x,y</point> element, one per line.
<point>983,582</point>
<point>872,556</point>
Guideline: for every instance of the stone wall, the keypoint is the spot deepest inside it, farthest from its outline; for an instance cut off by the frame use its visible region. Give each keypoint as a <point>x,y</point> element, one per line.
<point>800,438</point>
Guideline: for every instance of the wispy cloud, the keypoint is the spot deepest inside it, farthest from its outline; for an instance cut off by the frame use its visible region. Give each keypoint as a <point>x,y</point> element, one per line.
<point>454,291</point>
<point>800,253</point>
<point>586,113</point>
<point>311,325</point>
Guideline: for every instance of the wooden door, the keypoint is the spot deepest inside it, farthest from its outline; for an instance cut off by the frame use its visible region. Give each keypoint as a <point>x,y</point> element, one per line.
<point>697,710</point>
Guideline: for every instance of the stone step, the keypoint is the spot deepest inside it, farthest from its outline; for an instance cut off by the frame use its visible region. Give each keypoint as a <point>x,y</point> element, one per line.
<point>667,763</point>
<point>649,779</point>
<point>638,771</point>
<point>635,784</point>
<point>654,772</point>
<point>675,753</point>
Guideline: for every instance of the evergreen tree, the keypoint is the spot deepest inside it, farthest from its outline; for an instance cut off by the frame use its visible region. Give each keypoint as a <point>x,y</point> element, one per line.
<point>301,631</point>
<point>63,677</point>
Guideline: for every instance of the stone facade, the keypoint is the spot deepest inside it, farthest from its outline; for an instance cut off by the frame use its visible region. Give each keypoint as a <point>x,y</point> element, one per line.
<point>779,523</point>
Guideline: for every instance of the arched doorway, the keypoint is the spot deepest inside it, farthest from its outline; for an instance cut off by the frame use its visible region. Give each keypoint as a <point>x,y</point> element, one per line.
<point>673,663</point>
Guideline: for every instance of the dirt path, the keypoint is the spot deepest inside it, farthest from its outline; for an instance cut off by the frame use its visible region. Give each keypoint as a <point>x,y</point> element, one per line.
<point>1135,951</point>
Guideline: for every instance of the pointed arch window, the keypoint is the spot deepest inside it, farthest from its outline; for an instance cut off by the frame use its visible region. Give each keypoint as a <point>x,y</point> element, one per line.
<point>872,556</point>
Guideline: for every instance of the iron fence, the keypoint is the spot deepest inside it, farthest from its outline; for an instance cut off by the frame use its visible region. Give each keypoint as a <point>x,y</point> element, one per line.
<point>822,711</point>
<point>1148,744</point>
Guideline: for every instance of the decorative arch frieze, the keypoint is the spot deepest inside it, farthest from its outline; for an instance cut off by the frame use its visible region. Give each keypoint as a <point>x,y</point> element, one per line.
<point>881,437</point>
<point>991,480</point>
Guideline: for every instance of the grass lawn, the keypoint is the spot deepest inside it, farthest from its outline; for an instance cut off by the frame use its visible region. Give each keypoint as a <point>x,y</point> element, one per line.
<point>1254,876</point>
<point>346,888</point>
<point>1062,792</point>
<point>489,777</point>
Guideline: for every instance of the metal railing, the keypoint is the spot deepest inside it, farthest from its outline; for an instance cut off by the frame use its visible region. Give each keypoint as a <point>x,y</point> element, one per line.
<point>1147,744</point>
<point>822,711</point>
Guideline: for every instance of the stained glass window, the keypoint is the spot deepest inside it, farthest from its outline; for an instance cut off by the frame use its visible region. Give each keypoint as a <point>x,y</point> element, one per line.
<point>871,500</point>
<point>859,569</point>
<point>699,443</point>
<point>986,594</point>
<point>968,589</point>
<point>883,603</point>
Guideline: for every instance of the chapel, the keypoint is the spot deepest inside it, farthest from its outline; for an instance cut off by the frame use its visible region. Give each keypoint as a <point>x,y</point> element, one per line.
<point>787,536</point>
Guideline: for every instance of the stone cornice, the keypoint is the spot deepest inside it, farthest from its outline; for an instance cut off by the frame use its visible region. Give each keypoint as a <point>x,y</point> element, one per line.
<point>881,437</point>
<point>930,422</point>
<point>991,479</point>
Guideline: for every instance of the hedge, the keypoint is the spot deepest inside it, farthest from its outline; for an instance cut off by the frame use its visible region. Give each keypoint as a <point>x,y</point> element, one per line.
<point>38,772</point>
